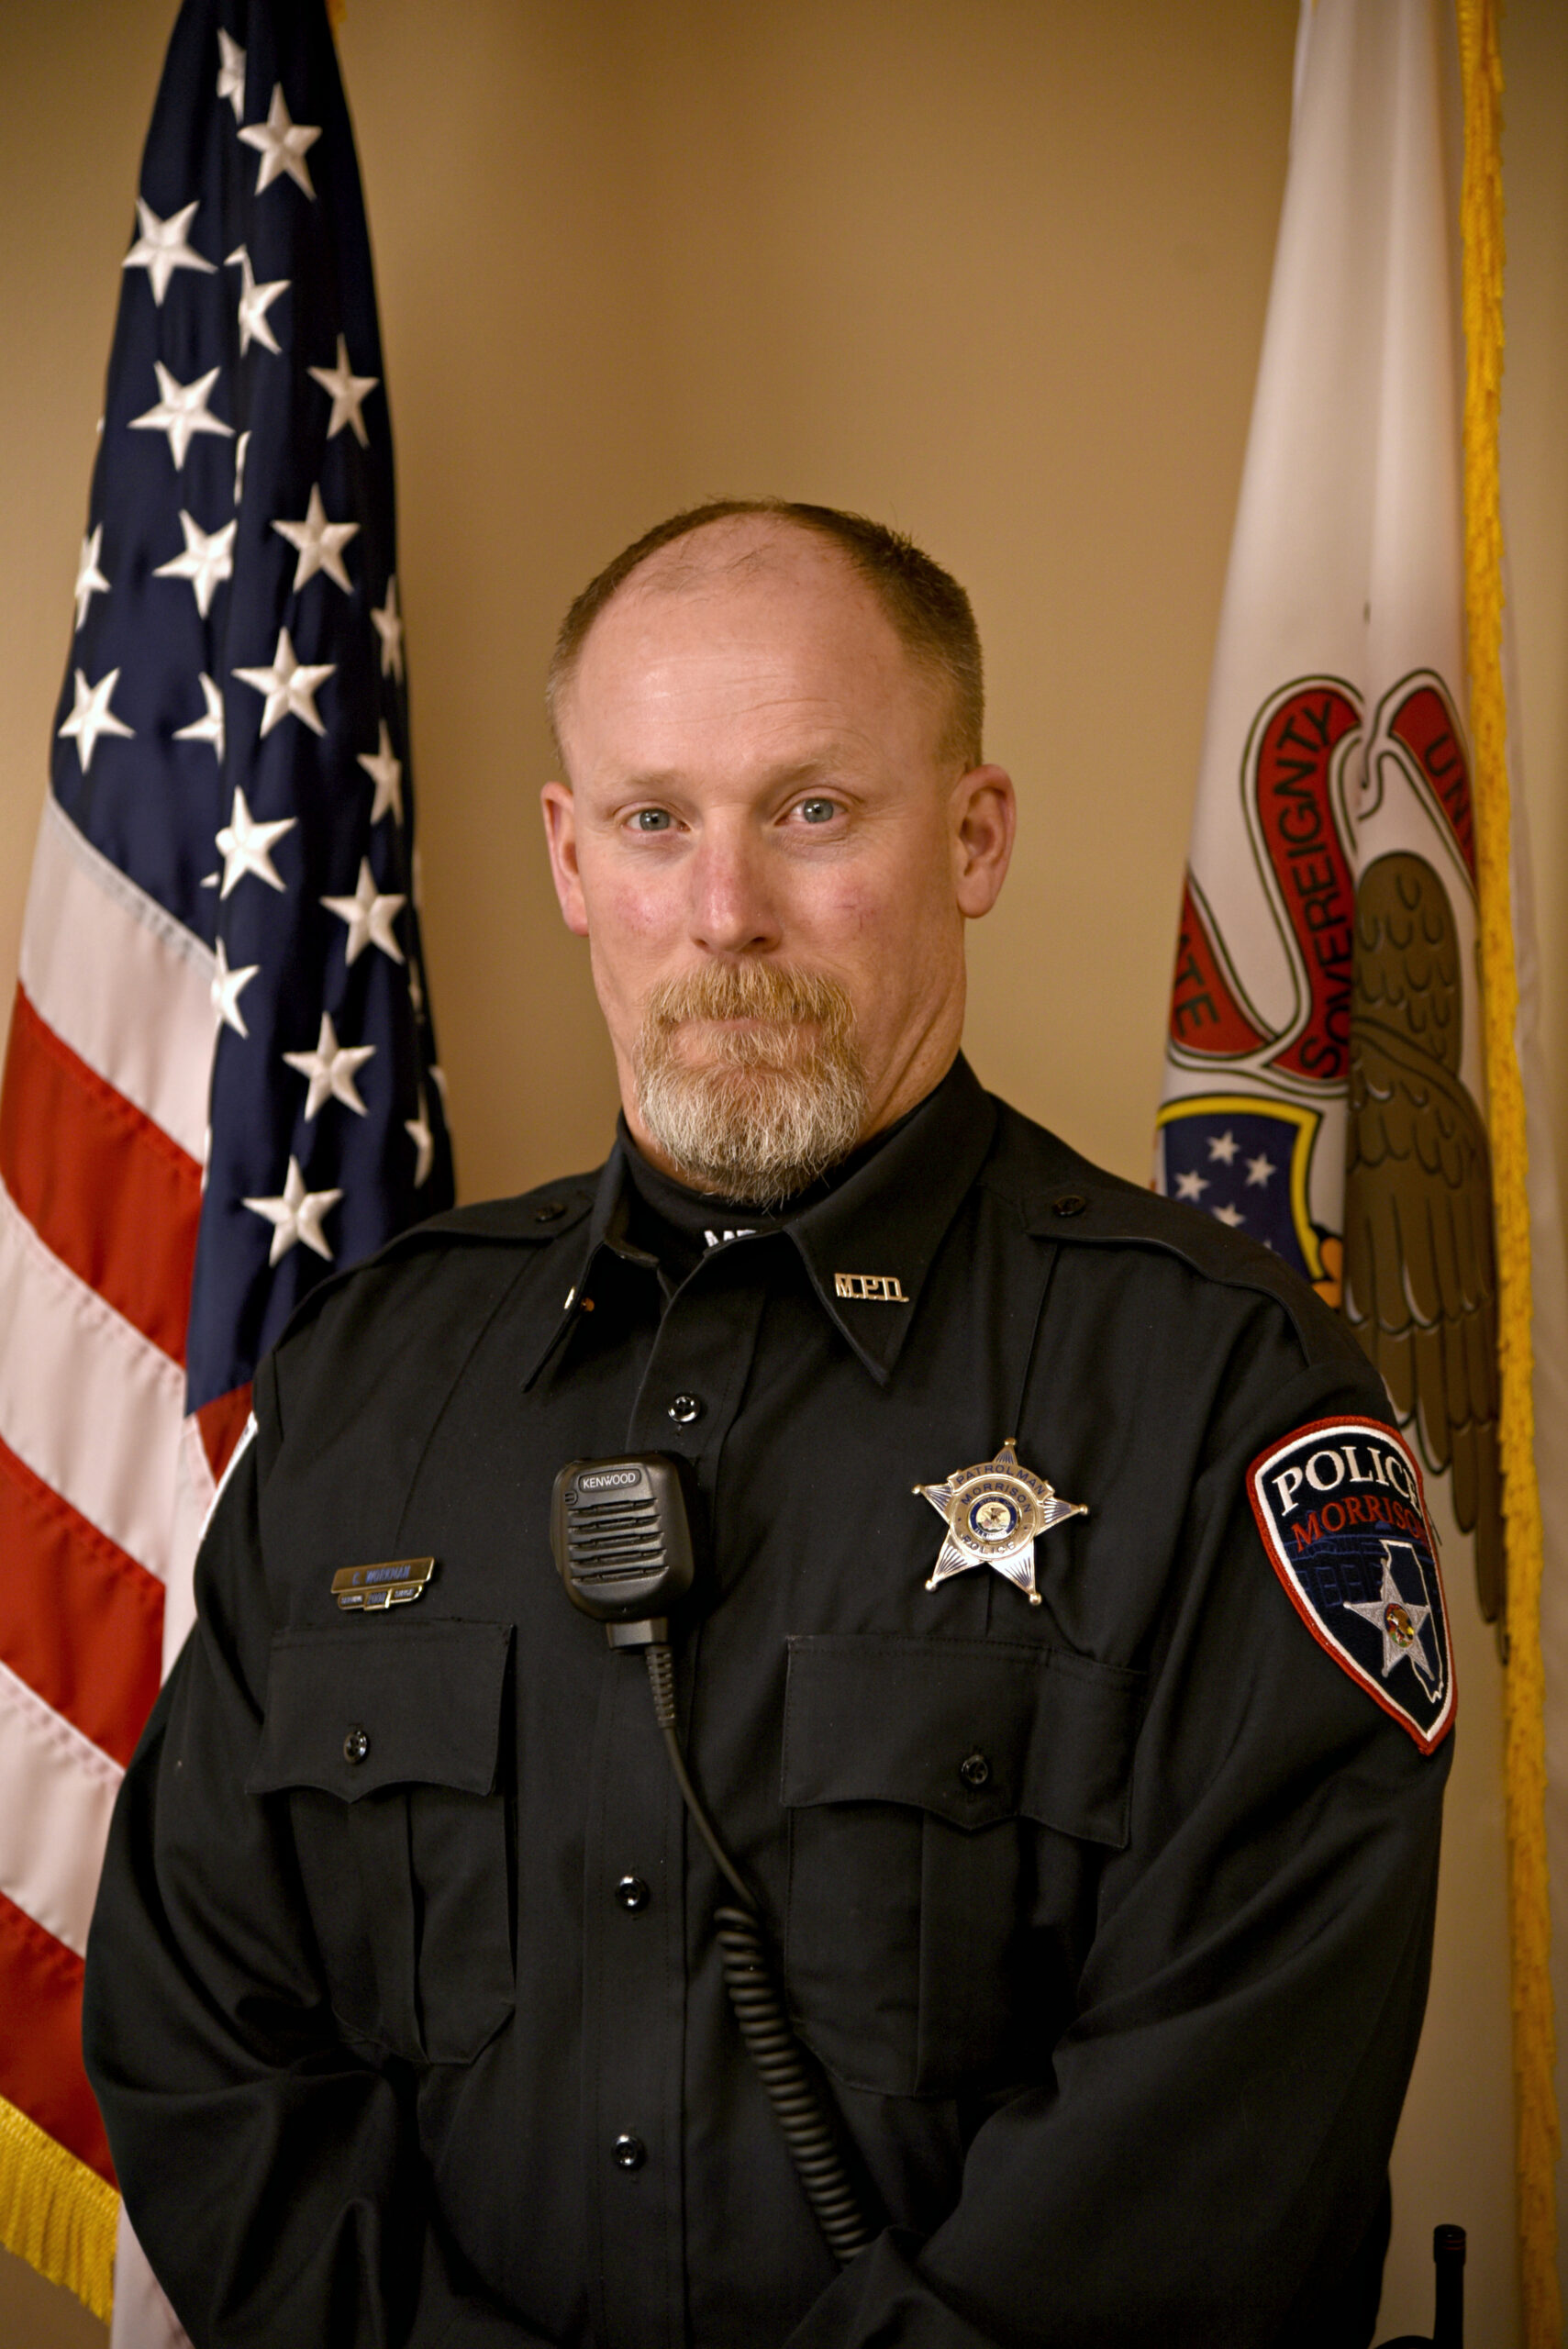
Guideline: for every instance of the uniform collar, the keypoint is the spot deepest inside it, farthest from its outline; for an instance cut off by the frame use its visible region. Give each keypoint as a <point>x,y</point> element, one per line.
<point>867,1247</point>
<point>870,1244</point>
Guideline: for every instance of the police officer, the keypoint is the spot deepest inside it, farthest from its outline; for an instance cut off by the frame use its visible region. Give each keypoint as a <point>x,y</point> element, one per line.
<point>1068,1675</point>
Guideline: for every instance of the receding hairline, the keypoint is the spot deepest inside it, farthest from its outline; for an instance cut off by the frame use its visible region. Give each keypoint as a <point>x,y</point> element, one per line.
<point>929,612</point>
<point>692,568</point>
<point>680,566</point>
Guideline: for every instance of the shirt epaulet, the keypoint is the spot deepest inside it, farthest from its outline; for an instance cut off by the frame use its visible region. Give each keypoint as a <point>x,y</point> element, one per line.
<point>1069,1199</point>
<point>531,1219</point>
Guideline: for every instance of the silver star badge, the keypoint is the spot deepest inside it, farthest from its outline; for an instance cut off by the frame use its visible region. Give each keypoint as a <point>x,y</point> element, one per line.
<point>995,1512</point>
<point>1398,1618</point>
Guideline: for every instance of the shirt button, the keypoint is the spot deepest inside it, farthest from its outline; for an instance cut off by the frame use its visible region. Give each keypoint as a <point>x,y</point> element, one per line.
<point>356,1745</point>
<point>632,1893</point>
<point>547,1210</point>
<point>974,1769</point>
<point>685,1409</point>
<point>1070,1203</point>
<point>628,2152</point>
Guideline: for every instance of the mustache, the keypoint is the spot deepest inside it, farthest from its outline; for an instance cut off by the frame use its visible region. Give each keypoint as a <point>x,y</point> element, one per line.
<point>769,1106</point>
<point>773,995</point>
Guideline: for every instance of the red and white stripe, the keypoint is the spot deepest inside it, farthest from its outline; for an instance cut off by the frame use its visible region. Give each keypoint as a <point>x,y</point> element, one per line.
<point>103,1481</point>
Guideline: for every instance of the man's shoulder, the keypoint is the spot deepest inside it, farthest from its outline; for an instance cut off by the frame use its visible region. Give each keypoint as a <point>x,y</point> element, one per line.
<point>529,1219</point>
<point>465,1255</point>
<point>1064,1196</point>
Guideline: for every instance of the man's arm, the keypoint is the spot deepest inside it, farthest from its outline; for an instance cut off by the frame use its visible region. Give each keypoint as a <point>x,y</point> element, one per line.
<point>274,2175</point>
<point>1208,2163</point>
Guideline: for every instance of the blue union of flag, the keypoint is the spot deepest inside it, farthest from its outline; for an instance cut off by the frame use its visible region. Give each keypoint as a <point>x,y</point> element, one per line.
<point>1247,1161</point>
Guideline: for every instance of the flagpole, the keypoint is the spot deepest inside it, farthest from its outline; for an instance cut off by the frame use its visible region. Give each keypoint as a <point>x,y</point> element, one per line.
<point>1480,219</point>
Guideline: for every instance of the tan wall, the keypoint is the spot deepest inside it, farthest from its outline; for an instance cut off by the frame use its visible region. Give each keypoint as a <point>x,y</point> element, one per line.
<point>992,269</point>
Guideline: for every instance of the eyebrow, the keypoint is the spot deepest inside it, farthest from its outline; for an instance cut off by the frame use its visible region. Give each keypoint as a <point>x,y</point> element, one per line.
<point>811,770</point>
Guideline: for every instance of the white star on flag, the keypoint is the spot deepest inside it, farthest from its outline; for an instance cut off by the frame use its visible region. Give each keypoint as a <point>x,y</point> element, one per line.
<point>296,1216</point>
<point>231,73</point>
<point>1224,1147</point>
<point>320,544</point>
<point>93,715</point>
<point>241,448</point>
<point>1232,1216</point>
<point>369,916</point>
<point>290,687</point>
<point>437,1076</point>
<point>1191,1186</point>
<point>418,1133</point>
<point>209,728</point>
<point>227,986</point>
<point>205,562</point>
<point>246,846</point>
<point>331,1068</point>
<point>181,411</point>
<point>160,249</point>
<point>90,580</point>
<point>1259,1170</point>
<point>282,145</point>
<point>349,392</point>
<point>389,628</point>
<point>415,990</point>
<point>386,773</point>
<point>255,301</point>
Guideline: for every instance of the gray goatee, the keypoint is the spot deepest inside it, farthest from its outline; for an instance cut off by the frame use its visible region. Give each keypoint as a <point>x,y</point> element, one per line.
<point>767,1109</point>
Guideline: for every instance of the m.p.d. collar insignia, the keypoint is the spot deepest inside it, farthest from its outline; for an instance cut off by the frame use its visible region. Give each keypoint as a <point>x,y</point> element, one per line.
<point>1342,1515</point>
<point>994,1512</point>
<point>875,1289</point>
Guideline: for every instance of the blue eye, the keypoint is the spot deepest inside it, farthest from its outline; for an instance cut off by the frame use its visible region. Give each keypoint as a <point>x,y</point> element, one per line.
<point>818,811</point>
<point>651,820</point>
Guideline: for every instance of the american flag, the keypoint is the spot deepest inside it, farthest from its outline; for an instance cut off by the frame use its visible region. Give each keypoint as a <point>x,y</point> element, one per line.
<point>221,1079</point>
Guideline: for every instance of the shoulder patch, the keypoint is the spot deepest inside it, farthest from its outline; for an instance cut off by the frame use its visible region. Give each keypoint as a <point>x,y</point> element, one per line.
<point>1343,1517</point>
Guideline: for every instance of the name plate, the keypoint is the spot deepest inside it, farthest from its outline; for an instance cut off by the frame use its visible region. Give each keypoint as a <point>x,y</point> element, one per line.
<point>374,1587</point>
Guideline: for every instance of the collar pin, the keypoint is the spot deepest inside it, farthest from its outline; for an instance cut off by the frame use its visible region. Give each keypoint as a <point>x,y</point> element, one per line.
<point>870,1288</point>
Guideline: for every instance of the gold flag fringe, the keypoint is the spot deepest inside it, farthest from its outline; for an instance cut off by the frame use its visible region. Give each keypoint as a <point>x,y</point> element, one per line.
<point>1530,1915</point>
<point>55,2212</point>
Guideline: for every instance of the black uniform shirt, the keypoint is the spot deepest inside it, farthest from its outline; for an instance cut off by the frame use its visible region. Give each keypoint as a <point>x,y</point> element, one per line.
<point>1110,1918</point>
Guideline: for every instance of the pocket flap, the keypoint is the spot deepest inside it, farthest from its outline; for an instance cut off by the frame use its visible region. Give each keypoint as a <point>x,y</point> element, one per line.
<point>415,1703</point>
<point>969,1729</point>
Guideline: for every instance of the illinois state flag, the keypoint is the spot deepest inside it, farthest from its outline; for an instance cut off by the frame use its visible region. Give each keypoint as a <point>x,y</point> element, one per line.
<point>1323,1084</point>
<point>221,1077</point>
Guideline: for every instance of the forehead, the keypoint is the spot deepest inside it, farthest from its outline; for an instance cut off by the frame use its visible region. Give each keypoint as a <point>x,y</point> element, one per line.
<point>766,630</point>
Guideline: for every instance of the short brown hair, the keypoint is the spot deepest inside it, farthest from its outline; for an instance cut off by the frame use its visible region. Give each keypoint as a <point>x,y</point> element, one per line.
<point>927,608</point>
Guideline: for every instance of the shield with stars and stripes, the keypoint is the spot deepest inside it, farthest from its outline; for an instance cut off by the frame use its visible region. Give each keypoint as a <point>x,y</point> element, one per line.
<point>1247,1163</point>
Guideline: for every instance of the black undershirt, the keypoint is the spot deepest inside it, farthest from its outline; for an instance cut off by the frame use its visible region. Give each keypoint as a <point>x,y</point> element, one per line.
<point>678,1226</point>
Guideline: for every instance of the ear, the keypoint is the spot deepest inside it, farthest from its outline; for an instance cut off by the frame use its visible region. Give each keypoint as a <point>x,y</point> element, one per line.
<point>984,816</point>
<point>560,810</point>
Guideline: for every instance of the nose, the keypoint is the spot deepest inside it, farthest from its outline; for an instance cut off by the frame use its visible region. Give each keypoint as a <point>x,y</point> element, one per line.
<point>732,908</point>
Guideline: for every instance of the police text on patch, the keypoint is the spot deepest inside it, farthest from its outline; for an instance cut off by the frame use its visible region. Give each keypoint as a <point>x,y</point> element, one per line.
<point>1342,1515</point>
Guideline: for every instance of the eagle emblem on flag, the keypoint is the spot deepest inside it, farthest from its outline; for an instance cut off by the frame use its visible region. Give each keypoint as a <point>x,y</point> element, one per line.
<point>1420,1279</point>
<point>1345,1133</point>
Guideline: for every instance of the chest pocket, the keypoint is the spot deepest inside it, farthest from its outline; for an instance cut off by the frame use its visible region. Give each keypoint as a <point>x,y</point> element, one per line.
<point>946,1800</point>
<point>386,1738</point>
